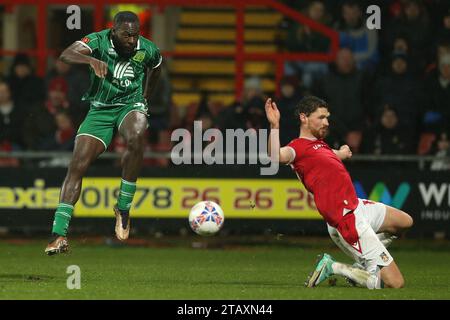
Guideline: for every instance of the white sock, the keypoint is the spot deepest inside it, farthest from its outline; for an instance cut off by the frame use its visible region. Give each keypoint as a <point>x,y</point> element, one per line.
<point>361,277</point>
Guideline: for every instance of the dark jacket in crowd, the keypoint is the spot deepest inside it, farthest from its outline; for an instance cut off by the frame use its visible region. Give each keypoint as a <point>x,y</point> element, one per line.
<point>343,92</point>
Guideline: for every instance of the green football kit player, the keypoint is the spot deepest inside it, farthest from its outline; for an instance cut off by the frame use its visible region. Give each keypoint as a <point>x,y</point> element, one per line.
<point>120,61</point>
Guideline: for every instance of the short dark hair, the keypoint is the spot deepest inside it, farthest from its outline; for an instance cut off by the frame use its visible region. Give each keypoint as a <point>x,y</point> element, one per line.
<point>310,104</point>
<point>125,16</point>
<point>351,3</point>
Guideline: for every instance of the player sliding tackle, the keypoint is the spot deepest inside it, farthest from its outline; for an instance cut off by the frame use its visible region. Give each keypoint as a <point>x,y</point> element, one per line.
<point>361,228</point>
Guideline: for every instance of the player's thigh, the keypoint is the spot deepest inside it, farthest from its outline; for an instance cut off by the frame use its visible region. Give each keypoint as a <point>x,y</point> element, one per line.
<point>395,220</point>
<point>86,150</point>
<point>391,276</point>
<point>373,212</point>
<point>132,122</point>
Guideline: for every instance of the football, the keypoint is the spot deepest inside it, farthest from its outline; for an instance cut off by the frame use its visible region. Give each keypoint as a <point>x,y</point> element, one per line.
<point>206,218</point>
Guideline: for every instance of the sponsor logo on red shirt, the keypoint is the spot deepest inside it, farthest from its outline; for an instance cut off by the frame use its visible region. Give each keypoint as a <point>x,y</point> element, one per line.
<point>317,146</point>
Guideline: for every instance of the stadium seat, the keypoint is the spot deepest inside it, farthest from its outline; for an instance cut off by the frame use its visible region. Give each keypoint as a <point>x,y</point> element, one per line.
<point>213,29</point>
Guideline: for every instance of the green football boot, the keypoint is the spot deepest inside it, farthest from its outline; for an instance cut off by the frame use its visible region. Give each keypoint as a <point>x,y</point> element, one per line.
<point>322,271</point>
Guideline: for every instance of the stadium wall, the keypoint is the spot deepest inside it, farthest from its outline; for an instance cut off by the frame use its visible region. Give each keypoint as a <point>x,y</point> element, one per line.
<point>253,204</point>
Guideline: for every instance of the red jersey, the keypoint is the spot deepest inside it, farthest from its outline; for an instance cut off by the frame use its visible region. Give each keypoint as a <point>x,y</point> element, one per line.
<point>325,176</point>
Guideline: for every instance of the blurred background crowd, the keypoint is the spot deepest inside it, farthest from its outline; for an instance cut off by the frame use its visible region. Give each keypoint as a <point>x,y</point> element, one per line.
<point>388,89</point>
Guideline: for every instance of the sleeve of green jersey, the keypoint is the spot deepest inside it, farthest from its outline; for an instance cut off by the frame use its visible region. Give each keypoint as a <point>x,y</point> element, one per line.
<point>155,58</point>
<point>90,41</point>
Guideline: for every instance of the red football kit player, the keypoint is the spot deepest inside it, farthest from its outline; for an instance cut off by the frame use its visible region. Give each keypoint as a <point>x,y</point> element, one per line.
<point>324,175</point>
<point>361,228</point>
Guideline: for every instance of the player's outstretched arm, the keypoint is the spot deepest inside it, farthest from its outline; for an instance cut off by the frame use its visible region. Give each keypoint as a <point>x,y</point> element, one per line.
<point>285,154</point>
<point>76,53</point>
<point>344,152</point>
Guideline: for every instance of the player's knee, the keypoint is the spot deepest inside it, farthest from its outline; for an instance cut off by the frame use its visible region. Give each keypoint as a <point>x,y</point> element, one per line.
<point>408,221</point>
<point>396,283</point>
<point>78,167</point>
<point>135,141</point>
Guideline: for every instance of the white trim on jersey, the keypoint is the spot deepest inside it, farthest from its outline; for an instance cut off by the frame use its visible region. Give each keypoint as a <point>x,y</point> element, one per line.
<point>293,153</point>
<point>160,60</point>
<point>84,44</point>
<point>310,139</point>
<point>101,104</point>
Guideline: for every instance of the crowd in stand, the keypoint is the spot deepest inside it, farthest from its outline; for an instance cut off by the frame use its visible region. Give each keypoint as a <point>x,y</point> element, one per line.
<point>388,89</point>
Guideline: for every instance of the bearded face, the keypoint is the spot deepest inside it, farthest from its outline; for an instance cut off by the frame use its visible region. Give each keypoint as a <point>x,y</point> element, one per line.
<point>316,123</point>
<point>125,38</point>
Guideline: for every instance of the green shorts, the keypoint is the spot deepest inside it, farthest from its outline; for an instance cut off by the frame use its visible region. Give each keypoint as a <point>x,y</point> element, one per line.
<point>101,122</point>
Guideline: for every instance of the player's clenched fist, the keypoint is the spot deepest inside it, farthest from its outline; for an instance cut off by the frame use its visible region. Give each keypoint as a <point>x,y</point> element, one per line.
<point>100,68</point>
<point>345,152</point>
<point>272,113</point>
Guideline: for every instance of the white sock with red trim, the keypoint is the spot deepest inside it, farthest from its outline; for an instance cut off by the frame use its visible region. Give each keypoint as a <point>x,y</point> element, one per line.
<point>359,276</point>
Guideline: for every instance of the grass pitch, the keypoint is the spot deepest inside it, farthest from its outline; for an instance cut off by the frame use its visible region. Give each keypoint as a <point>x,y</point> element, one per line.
<point>179,271</point>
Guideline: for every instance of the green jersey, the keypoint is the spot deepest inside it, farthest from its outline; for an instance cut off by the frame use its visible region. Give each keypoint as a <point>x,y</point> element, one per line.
<point>123,84</point>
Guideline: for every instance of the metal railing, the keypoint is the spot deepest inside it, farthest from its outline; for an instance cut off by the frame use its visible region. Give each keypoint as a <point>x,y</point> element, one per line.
<point>168,155</point>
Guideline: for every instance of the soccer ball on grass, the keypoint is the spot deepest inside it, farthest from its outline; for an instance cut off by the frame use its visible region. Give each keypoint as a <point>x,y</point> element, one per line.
<point>206,218</point>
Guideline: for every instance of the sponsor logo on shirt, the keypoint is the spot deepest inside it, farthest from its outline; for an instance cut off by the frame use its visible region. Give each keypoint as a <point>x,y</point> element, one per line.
<point>85,40</point>
<point>139,56</point>
<point>318,146</point>
<point>123,72</point>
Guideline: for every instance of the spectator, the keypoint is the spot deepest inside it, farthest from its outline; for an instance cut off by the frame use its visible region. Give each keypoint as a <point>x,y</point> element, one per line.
<point>355,36</point>
<point>160,105</point>
<point>342,88</point>
<point>437,111</point>
<point>401,46</point>
<point>301,38</point>
<point>387,136</point>
<point>26,88</point>
<point>57,95</point>
<point>10,120</point>
<point>413,23</point>
<point>444,30</point>
<point>39,123</point>
<point>441,150</point>
<point>231,117</point>
<point>235,116</point>
<point>205,112</point>
<point>64,137</point>
<point>442,48</point>
<point>77,83</point>
<point>400,90</point>
<point>395,8</point>
<point>253,106</point>
<point>290,96</point>
<point>255,116</point>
